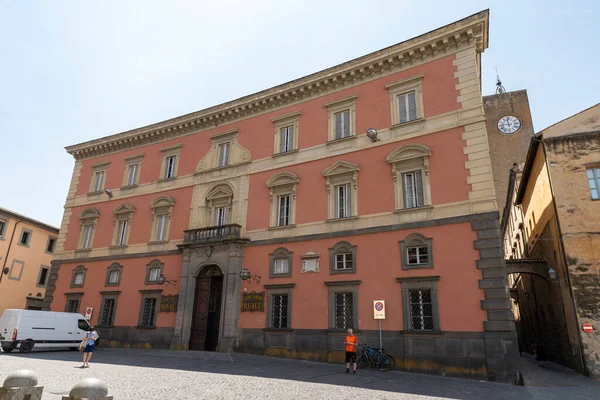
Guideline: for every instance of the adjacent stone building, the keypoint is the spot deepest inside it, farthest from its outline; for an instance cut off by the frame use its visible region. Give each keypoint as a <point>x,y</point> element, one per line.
<point>271,223</point>
<point>552,240</point>
<point>26,250</point>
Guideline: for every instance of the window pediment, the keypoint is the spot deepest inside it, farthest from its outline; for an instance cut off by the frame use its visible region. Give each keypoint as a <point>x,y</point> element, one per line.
<point>282,178</point>
<point>236,153</point>
<point>219,191</point>
<point>408,152</point>
<point>89,213</point>
<point>124,209</point>
<point>415,239</point>
<point>340,167</point>
<point>162,201</point>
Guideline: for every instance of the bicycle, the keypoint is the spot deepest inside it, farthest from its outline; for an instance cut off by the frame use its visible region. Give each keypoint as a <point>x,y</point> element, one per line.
<point>374,358</point>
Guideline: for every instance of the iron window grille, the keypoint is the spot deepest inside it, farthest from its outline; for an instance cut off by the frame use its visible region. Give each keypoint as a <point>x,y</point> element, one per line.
<point>344,310</point>
<point>148,316</point>
<point>73,306</point>
<point>279,311</point>
<point>421,310</point>
<point>108,311</point>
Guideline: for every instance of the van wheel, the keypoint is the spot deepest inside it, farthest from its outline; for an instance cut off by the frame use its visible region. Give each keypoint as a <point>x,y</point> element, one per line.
<point>7,350</point>
<point>26,346</point>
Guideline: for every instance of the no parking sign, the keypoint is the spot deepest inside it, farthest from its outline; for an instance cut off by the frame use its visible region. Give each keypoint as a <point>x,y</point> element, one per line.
<point>379,309</point>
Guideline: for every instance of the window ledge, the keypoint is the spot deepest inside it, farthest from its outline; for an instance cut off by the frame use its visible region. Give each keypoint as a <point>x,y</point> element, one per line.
<point>86,250</point>
<point>118,246</point>
<point>277,276</point>
<point>283,153</point>
<point>408,123</point>
<point>145,327</point>
<point>408,267</point>
<point>95,193</point>
<point>166,179</point>
<point>274,228</point>
<point>344,139</point>
<point>104,326</point>
<point>342,331</point>
<point>75,287</point>
<point>406,210</point>
<point>129,187</point>
<point>342,271</point>
<point>112,284</point>
<point>341,219</point>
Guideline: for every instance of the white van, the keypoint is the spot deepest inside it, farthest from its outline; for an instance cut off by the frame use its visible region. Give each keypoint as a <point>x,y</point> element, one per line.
<point>26,329</point>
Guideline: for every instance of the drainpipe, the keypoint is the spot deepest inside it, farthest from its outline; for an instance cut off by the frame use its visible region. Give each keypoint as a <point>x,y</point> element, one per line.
<point>568,275</point>
<point>8,251</point>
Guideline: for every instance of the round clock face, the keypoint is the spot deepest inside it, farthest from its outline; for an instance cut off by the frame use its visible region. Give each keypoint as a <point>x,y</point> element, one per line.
<point>509,125</point>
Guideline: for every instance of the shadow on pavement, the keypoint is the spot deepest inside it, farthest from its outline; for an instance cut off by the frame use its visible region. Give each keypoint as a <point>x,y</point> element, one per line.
<point>314,372</point>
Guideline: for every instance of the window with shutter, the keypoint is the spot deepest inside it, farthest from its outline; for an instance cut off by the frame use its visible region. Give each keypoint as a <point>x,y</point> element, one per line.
<point>170,167</point>
<point>99,181</point>
<point>220,216</point>
<point>407,107</point>
<point>132,174</point>
<point>343,201</point>
<point>593,175</point>
<point>224,154</point>
<point>413,189</point>
<point>342,124</point>
<point>122,233</point>
<point>286,140</point>
<point>283,217</point>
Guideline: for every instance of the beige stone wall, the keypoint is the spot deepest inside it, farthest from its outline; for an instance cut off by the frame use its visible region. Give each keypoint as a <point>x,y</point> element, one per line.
<point>580,225</point>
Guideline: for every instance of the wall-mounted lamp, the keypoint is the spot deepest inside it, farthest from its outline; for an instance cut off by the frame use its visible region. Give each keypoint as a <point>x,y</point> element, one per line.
<point>161,280</point>
<point>372,134</point>
<point>552,273</point>
<point>245,275</point>
<point>109,193</point>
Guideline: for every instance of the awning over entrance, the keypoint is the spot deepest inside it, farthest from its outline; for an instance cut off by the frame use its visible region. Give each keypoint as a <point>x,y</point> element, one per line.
<point>534,266</point>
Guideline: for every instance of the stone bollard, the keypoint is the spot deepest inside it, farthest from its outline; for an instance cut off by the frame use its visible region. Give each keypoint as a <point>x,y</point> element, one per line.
<point>21,385</point>
<point>89,389</point>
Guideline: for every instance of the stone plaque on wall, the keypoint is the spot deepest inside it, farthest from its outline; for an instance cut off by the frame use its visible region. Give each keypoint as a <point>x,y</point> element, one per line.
<point>310,262</point>
<point>168,303</point>
<point>253,301</point>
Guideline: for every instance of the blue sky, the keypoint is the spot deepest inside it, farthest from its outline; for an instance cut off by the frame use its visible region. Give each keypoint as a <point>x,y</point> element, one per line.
<point>72,71</point>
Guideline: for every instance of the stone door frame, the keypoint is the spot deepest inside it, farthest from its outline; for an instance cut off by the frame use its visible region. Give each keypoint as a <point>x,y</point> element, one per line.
<point>228,256</point>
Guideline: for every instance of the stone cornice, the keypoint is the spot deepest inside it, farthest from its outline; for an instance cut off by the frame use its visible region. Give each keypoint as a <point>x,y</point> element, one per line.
<point>470,31</point>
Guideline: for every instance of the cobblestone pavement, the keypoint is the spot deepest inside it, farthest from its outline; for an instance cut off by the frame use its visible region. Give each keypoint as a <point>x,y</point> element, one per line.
<point>157,374</point>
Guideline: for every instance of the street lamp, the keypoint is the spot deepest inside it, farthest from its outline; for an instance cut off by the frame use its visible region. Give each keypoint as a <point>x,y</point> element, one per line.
<point>552,273</point>
<point>245,275</point>
<point>161,280</point>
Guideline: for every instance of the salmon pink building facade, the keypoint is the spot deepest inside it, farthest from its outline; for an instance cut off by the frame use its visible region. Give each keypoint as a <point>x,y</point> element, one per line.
<point>271,223</point>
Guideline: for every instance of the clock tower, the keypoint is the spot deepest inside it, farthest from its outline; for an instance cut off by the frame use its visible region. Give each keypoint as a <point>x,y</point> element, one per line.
<point>510,127</point>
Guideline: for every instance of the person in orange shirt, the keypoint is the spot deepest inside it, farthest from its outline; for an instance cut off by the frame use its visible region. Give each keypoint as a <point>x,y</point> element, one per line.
<point>351,343</point>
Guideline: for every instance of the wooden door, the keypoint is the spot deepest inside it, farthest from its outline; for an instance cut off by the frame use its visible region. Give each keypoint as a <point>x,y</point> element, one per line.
<point>214,314</point>
<point>200,316</point>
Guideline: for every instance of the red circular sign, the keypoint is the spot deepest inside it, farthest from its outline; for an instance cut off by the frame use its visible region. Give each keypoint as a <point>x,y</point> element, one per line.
<point>587,328</point>
<point>379,306</point>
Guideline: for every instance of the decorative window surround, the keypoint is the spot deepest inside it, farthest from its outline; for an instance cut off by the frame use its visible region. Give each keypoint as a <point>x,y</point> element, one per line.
<point>122,225</point>
<point>51,244</point>
<point>99,172</point>
<point>87,228</point>
<point>25,237</point>
<point>73,302</point>
<point>150,277</point>
<point>416,283</point>
<point>171,151</point>
<point>410,158</point>
<point>342,287</point>
<point>109,299</point>
<point>152,312</point>
<point>78,276</point>
<point>162,210</point>
<point>402,87</point>
<point>341,173</point>
<point>114,270</point>
<point>289,120</point>
<point>337,106</point>
<point>593,176</point>
<point>16,270</point>
<point>237,153</point>
<point>131,175</point>
<point>282,184</point>
<point>342,249</point>
<point>3,226</point>
<point>275,290</point>
<point>412,241</point>
<point>43,276</point>
<point>218,196</point>
<point>280,254</point>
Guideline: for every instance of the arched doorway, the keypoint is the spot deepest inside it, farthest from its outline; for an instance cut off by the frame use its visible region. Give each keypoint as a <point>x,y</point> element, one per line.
<point>207,309</point>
